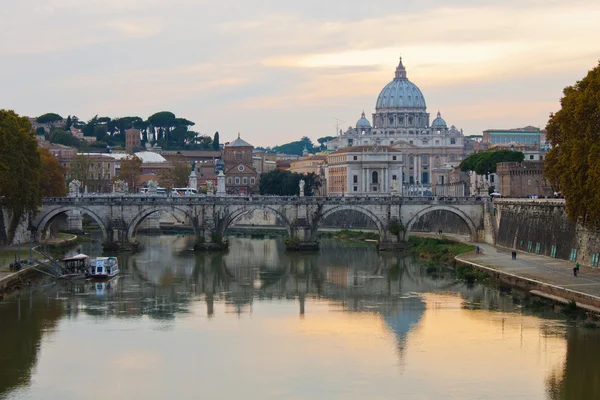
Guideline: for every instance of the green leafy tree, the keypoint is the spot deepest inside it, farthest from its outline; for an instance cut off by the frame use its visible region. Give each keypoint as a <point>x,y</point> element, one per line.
<point>49,118</point>
<point>164,121</point>
<point>20,170</point>
<point>176,176</point>
<point>322,141</point>
<point>286,183</point>
<point>484,162</point>
<point>64,138</point>
<point>215,143</point>
<point>69,123</point>
<point>89,128</point>
<point>296,147</point>
<point>573,164</point>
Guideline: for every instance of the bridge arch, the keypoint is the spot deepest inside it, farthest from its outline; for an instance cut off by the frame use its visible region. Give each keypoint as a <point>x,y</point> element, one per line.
<point>144,213</point>
<point>232,216</point>
<point>47,219</point>
<point>363,210</point>
<point>454,210</point>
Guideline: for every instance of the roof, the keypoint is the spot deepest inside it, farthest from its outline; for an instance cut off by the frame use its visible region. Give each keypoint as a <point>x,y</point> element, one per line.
<point>372,148</point>
<point>146,157</point>
<point>76,257</point>
<point>239,142</point>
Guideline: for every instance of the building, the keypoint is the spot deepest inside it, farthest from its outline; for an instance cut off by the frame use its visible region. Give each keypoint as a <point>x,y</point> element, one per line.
<point>529,135</point>
<point>263,162</point>
<point>133,139</point>
<point>363,170</point>
<point>523,179</point>
<point>311,164</point>
<point>240,175</point>
<point>401,120</point>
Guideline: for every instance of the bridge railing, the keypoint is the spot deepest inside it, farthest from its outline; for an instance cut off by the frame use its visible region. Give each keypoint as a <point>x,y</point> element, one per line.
<point>190,200</point>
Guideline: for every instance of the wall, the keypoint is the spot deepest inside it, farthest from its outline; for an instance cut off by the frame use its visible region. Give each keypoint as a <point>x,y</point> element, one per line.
<point>543,221</point>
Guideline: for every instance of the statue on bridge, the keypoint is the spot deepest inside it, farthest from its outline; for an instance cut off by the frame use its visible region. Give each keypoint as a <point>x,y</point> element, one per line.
<point>301,187</point>
<point>395,186</point>
<point>120,187</point>
<point>152,186</point>
<point>74,186</point>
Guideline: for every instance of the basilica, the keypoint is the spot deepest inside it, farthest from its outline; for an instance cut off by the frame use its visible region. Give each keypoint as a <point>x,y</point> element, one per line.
<point>423,152</point>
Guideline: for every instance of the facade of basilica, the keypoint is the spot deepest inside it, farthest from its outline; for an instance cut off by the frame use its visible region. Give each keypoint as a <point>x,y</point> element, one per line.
<point>426,152</point>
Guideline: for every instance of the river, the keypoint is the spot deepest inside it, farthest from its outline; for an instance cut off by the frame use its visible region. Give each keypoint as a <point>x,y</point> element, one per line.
<point>259,323</point>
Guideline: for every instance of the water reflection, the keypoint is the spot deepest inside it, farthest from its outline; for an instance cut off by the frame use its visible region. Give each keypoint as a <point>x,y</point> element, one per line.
<point>374,324</point>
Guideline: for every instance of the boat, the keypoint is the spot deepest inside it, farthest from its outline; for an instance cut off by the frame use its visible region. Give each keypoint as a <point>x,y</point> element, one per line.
<point>104,268</point>
<point>75,267</point>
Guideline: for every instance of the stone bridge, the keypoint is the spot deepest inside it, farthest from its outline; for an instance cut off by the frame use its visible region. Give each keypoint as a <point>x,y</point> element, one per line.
<point>120,217</point>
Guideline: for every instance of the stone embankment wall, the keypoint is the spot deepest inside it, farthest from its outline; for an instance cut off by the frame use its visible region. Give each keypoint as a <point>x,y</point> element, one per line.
<point>541,226</point>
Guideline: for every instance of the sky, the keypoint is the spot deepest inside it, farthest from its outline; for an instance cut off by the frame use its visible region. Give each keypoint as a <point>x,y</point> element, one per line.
<point>277,70</point>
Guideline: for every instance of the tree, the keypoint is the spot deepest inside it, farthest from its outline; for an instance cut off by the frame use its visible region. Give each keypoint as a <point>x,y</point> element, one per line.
<point>162,120</point>
<point>322,141</point>
<point>296,147</point>
<point>176,176</point>
<point>80,169</point>
<point>52,175</point>
<point>484,162</point>
<point>131,168</point>
<point>215,143</point>
<point>69,123</point>
<point>573,164</point>
<point>49,118</point>
<point>286,183</point>
<point>20,170</point>
<point>63,137</point>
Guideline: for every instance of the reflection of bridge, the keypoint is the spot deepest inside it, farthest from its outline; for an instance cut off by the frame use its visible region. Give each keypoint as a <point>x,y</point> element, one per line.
<point>120,217</point>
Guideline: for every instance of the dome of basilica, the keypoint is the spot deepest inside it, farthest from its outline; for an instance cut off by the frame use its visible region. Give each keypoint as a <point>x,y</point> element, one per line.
<point>439,122</point>
<point>363,122</point>
<point>401,93</point>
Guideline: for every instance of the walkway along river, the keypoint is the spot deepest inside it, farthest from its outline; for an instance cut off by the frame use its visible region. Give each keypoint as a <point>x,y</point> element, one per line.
<point>260,323</point>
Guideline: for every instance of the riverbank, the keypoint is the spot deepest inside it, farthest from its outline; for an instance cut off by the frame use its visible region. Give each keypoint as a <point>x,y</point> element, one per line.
<point>441,250</point>
<point>539,275</point>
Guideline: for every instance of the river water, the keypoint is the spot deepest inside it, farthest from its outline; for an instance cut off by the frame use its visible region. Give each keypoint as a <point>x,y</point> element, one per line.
<point>259,323</point>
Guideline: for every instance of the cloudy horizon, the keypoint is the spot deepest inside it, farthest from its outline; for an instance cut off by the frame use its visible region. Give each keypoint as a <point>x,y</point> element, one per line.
<point>276,70</point>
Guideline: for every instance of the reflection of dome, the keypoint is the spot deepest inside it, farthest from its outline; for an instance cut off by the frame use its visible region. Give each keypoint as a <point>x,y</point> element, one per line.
<point>438,122</point>
<point>407,314</point>
<point>401,93</point>
<point>363,123</point>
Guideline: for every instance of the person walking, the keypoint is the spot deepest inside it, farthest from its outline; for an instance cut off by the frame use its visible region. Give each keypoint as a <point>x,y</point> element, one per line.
<point>574,271</point>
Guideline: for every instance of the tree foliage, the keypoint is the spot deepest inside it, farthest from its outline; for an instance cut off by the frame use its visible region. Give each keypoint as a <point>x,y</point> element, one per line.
<point>215,143</point>
<point>20,169</point>
<point>48,118</point>
<point>52,175</point>
<point>573,164</point>
<point>176,176</point>
<point>296,147</point>
<point>80,169</point>
<point>484,162</point>
<point>286,183</point>
<point>131,168</point>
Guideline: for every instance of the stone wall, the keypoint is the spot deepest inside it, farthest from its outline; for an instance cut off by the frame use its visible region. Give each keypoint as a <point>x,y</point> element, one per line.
<point>537,225</point>
<point>443,220</point>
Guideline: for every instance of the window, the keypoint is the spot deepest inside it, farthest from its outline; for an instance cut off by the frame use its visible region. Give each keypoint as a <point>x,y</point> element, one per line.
<point>355,158</point>
<point>393,177</point>
<point>238,156</point>
<point>375,177</point>
<point>356,188</point>
<point>245,180</point>
<point>531,156</point>
<point>394,158</point>
<point>452,158</point>
<point>425,178</point>
<point>355,179</point>
<point>229,181</point>
<point>237,180</point>
<point>425,159</point>
<point>252,181</point>
<point>452,141</point>
<point>374,188</point>
<point>553,251</point>
<point>573,256</point>
<point>491,178</point>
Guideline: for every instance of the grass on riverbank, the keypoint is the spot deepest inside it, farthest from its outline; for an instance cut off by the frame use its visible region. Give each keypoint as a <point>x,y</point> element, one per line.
<point>7,257</point>
<point>346,234</point>
<point>439,250</point>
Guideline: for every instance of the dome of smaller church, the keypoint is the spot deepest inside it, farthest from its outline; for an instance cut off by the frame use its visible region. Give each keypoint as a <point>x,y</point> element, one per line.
<point>439,122</point>
<point>363,122</point>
